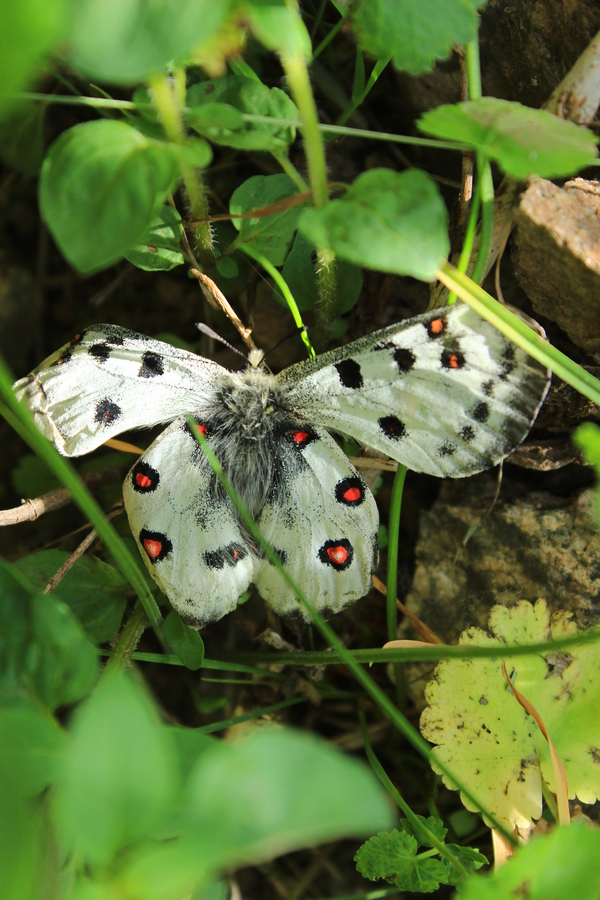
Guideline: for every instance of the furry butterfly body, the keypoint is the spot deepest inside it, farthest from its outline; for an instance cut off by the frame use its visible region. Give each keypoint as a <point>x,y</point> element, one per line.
<point>443,393</point>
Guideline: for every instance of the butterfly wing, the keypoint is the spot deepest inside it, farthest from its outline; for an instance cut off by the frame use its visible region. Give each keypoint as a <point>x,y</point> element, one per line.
<point>322,521</point>
<point>444,393</point>
<point>186,528</point>
<point>109,380</point>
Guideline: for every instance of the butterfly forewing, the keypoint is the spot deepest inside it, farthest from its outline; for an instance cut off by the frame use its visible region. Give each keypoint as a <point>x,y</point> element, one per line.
<point>108,380</point>
<point>322,523</point>
<point>186,528</point>
<point>445,393</point>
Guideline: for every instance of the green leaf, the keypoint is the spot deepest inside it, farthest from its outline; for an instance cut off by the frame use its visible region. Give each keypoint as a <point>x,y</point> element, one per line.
<point>30,28</point>
<point>217,107</point>
<point>124,41</point>
<point>101,186</point>
<point>555,866</point>
<point>393,856</point>
<point>186,643</point>
<point>32,746</point>
<point>434,825</point>
<point>190,744</point>
<point>278,26</point>
<point>415,35</point>
<point>471,859</point>
<point>271,235</point>
<point>119,776</point>
<point>64,664</point>
<point>299,273</point>
<point>160,246</point>
<point>522,141</point>
<point>386,221</point>
<point>20,850</point>
<point>14,624</point>
<point>587,437</point>
<point>22,137</point>
<point>32,477</point>
<point>94,592</point>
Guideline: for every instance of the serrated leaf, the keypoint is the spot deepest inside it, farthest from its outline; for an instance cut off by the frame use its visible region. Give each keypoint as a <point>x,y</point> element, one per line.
<point>271,235</point>
<point>160,246</point>
<point>393,856</point>
<point>487,738</point>
<point>471,859</point>
<point>522,141</point>
<point>124,41</point>
<point>101,185</point>
<point>386,221</point>
<point>433,824</point>
<point>415,35</point>
<point>217,108</point>
<point>186,643</point>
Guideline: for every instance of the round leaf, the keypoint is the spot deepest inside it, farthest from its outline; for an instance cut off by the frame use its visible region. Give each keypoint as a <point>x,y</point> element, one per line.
<point>386,221</point>
<point>185,642</point>
<point>100,187</point>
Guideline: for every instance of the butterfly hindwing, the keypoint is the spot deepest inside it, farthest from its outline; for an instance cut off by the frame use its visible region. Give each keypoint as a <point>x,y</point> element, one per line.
<point>322,521</point>
<point>445,393</point>
<point>108,380</point>
<point>186,528</point>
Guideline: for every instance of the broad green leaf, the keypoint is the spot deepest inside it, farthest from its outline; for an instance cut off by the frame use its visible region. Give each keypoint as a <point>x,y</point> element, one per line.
<point>119,777</point>
<point>124,41</point>
<point>15,627</point>
<point>30,28</point>
<point>32,746</point>
<point>94,592</point>
<point>160,247</point>
<point>497,749</point>
<point>556,866</point>
<point>216,108</point>
<point>415,35</point>
<point>393,857</point>
<point>299,273</point>
<point>271,235</point>
<point>278,26</point>
<point>470,858</point>
<point>190,744</point>
<point>63,665</point>
<point>432,824</point>
<point>587,437</point>
<point>186,643</point>
<point>32,477</point>
<point>386,221</point>
<point>274,791</point>
<point>22,137</point>
<point>101,186</point>
<point>19,842</point>
<point>522,141</point>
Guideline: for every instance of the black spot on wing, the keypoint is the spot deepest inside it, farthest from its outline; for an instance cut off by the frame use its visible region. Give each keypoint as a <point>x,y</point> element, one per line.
<point>392,427</point>
<point>467,433</point>
<point>115,341</point>
<point>107,412</point>
<point>67,355</point>
<point>350,374</point>
<point>404,359</point>
<point>144,478</point>
<point>446,449</point>
<point>488,387</point>
<point>101,352</point>
<point>156,544</point>
<point>229,555</point>
<point>78,338</point>
<point>338,554</point>
<point>452,359</point>
<point>152,365</point>
<point>350,491</point>
<point>280,554</point>
<point>481,412</point>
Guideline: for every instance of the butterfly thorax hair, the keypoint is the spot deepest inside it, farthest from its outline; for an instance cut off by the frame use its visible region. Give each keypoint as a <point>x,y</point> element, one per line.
<point>247,421</point>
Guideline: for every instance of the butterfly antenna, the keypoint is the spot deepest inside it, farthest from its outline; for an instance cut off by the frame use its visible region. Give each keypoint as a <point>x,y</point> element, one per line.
<point>205,329</point>
<point>294,333</point>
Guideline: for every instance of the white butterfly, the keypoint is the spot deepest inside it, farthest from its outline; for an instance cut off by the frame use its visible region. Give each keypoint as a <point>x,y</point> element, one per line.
<point>443,393</point>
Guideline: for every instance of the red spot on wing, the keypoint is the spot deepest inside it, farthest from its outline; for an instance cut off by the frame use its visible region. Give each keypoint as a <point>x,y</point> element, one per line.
<point>337,554</point>
<point>436,326</point>
<point>201,429</point>
<point>453,361</point>
<point>300,437</point>
<point>142,480</point>
<point>352,494</point>
<point>152,547</point>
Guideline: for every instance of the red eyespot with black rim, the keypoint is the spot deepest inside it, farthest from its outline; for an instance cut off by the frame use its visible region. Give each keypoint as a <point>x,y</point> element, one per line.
<point>144,478</point>
<point>156,545</point>
<point>350,491</point>
<point>337,554</point>
<point>437,327</point>
<point>300,437</point>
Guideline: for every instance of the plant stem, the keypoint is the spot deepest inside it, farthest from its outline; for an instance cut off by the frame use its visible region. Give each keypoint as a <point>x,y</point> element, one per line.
<point>128,640</point>
<point>484,170</point>
<point>168,101</point>
<point>392,575</point>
